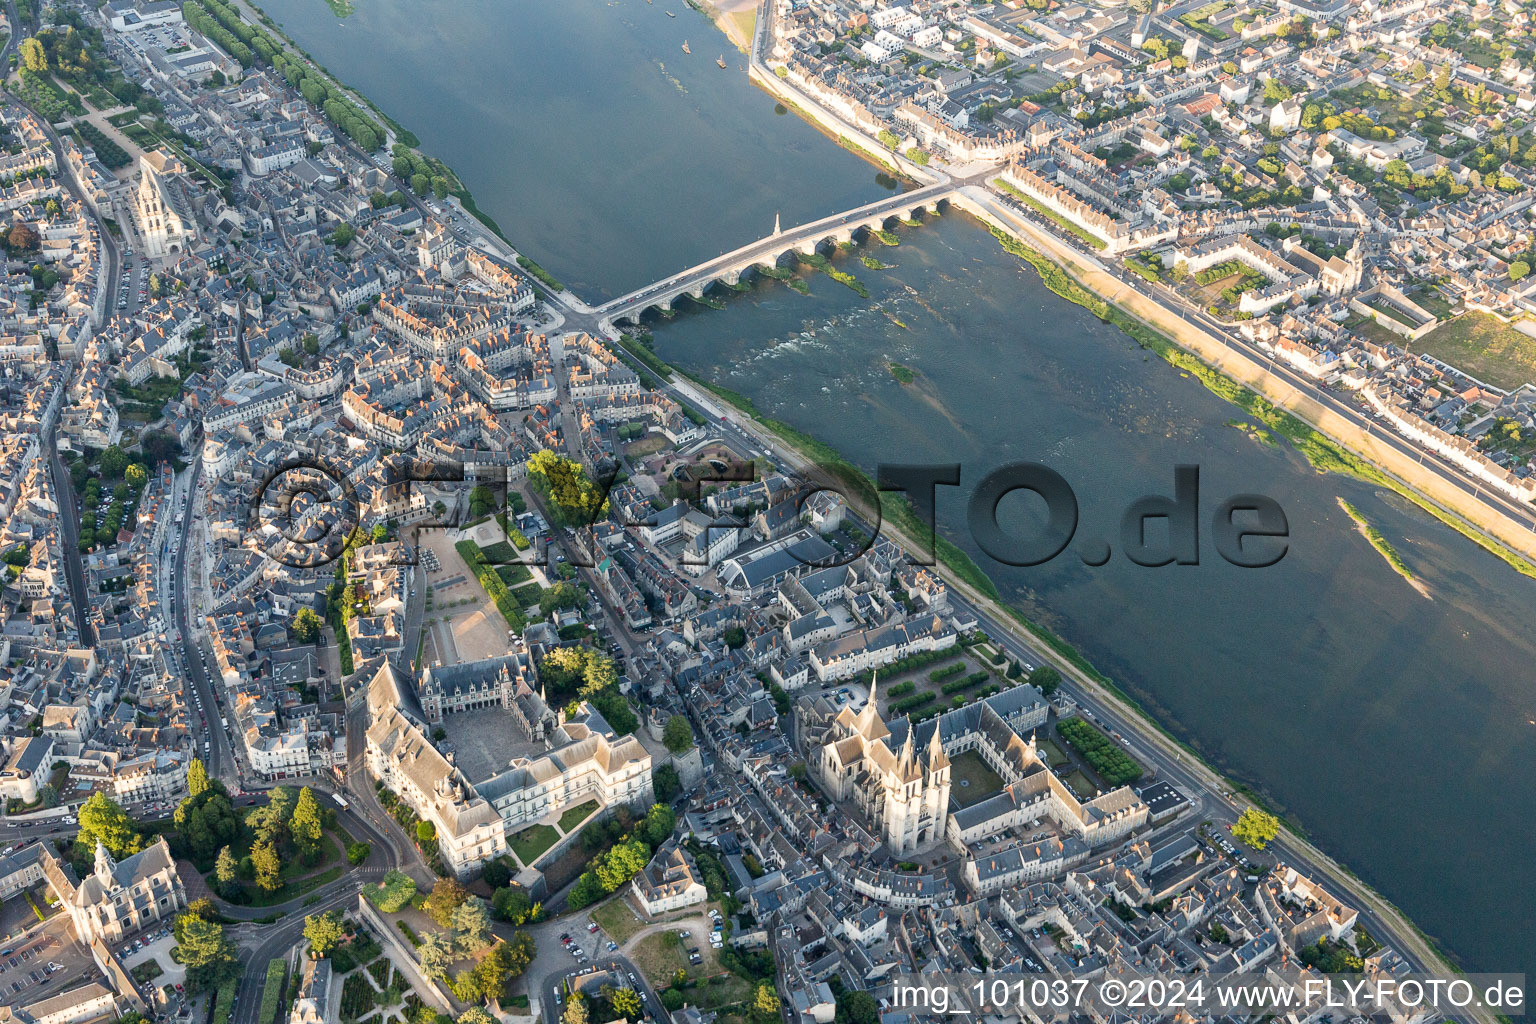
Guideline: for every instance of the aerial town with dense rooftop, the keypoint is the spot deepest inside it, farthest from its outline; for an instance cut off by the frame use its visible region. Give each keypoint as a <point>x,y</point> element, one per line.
<point>386,637</point>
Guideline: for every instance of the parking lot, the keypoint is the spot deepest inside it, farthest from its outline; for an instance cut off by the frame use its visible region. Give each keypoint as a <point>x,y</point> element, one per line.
<point>42,963</point>
<point>133,289</point>
<point>155,947</point>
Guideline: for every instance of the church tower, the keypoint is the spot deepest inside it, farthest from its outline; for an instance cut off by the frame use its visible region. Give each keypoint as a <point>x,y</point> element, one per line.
<point>936,796</point>
<point>104,864</point>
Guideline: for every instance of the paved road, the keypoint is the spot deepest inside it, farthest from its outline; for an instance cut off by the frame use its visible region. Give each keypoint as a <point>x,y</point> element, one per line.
<point>189,649</point>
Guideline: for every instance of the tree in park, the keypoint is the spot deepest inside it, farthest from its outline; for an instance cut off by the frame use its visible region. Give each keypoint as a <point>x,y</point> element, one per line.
<point>505,962</point>
<point>857,1007</point>
<point>666,783</point>
<point>1045,679</point>
<point>466,987</point>
<point>496,874</point>
<point>159,446</point>
<point>575,1010</point>
<point>426,832</point>
<point>136,475</point>
<point>471,921</point>
<point>766,1001</point>
<point>324,933</point>
<point>307,625</point>
<point>208,821</point>
<point>420,184</point>
<point>678,735</point>
<point>1256,827</point>
<point>436,955</point>
<point>512,903</point>
<point>443,900</point>
<point>476,1015</point>
<point>226,872</point>
<point>672,998</point>
<point>104,820</point>
<point>210,958</point>
<point>577,501</point>
<point>659,822</point>
<point>33,57</point>
<point>482,501</point>
<point>269,866</point>
<point>271,822</point>
<point>305,828</point>
<point>626,1001</point>
<point>197,777</point>
<point>113,462</point>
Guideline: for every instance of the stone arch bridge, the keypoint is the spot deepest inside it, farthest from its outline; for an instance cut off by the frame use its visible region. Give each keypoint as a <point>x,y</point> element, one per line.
<point>805,239</point>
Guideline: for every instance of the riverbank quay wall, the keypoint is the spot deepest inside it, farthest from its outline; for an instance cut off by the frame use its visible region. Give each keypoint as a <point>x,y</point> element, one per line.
<point>1254,374</point>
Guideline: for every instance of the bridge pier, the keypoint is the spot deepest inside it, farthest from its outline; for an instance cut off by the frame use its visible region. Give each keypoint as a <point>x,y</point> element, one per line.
<point>732,277</point>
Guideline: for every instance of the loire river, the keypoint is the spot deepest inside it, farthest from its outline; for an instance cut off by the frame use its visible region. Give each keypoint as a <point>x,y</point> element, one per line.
<point>601,149</point>
<point>1395,728</point>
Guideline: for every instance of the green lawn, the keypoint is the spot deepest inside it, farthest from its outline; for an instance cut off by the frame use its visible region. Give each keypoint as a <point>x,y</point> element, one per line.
<point>616,919</point>
<point>971,780</point>
<point>529,844</point>
<point>298,879</point>
<point>576,815</point>
<point>293,890</point>
<point>1081,785</point>
<point>1051,753</point>
<point>1484,347</point>
<point>662,954</point>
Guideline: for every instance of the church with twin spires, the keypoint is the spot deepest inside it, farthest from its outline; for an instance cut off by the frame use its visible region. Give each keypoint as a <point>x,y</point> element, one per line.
<point>903,791</point>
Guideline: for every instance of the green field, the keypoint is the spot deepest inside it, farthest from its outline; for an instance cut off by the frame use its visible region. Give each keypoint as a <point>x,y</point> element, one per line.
<point>971,780</point>
<point>576,815</point>
<point>616,919</point>
<point>1485,347</point>
<point>531,842</point>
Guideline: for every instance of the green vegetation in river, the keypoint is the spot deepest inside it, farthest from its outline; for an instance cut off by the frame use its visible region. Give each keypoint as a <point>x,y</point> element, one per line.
<point>785,275</point>
<point>821,263</point>
<point>903,374</point>
<point>1257,433</point>
<point>1381,544</point>
<point>1325,454</point>
<point>874,264</point>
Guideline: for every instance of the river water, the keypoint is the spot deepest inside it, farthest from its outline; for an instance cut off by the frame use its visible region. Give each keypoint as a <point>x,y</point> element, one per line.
<point>1396,728</point>
<point>598,146</point>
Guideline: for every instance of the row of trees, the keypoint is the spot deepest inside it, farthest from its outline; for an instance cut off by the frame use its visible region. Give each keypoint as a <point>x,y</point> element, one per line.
<point>250,45</point>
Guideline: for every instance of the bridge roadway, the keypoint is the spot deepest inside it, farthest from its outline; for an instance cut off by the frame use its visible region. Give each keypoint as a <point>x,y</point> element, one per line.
<point>806,238</point>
